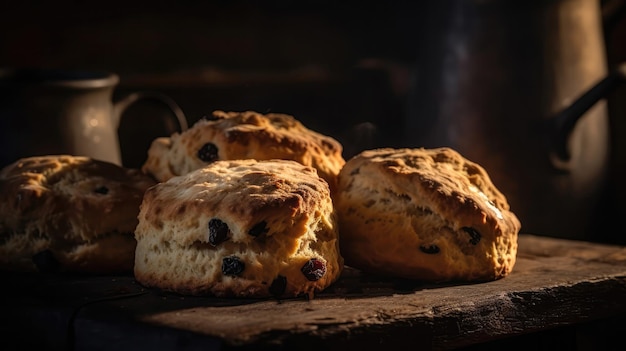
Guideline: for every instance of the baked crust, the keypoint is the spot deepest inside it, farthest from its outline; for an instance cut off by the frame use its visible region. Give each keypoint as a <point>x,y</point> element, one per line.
<point>427,214</point>
<point>70,213</point>
<point>271,218</point>
<point>243,135</point>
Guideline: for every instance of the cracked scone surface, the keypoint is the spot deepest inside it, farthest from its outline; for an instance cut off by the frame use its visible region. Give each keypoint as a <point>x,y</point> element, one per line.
<point>427,214</point>
<point>243,135</point>
<point>69,213</point>
<point>239,228</point>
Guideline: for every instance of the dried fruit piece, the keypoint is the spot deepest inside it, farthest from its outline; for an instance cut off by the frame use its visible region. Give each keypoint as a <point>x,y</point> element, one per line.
<point>474,235</point>
<point>102,190</point>
<point>279,285</point>
<point>208,152</point>
<point>314,269</point>
<point>232,266</point>
<point>218,231</point>
<point>259,229</point>
<point>430,249</point>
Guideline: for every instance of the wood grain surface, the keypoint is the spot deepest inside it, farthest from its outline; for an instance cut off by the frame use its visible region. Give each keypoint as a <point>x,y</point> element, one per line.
<point>555,283</point>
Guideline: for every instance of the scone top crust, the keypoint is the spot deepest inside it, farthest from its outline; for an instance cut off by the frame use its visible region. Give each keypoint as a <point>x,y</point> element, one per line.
<point>244,135</point>
<point>74,198</point>
<point>445,218</point>
<point>63,203</point>
<point>274,217</point>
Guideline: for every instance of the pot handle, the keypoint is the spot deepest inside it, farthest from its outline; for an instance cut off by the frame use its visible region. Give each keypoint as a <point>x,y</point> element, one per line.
<point>564,122</point>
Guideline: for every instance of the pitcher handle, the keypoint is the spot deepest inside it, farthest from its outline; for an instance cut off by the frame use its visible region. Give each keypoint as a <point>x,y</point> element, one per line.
<point>121,105</point>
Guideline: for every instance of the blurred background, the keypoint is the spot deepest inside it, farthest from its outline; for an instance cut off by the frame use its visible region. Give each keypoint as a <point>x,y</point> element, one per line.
<point>370,75</point>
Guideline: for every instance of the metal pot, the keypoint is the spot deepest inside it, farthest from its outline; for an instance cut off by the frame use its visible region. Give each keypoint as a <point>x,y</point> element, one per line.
<point>491,84</point>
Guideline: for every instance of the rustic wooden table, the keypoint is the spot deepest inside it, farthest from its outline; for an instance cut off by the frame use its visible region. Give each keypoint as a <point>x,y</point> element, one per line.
<point>568,293</point>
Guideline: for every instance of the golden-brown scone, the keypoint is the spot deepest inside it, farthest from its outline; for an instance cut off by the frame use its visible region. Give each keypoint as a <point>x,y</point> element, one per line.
<point>69,213</point>
<point>240,228</point>
<point>243,135</point>
<point>427,214</point>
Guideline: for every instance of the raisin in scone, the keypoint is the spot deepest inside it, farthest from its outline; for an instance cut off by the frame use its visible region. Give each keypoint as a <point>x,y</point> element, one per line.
<point>239,228</point>
<point>243,135</point>
<point>69,213</point>
<point>427,214</point>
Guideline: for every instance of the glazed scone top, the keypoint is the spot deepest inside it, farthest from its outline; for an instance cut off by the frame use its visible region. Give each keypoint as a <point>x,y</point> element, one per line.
<point>442,174</point>
<point>243,135</point>
<point>239,192</point>
<point>70,198</point>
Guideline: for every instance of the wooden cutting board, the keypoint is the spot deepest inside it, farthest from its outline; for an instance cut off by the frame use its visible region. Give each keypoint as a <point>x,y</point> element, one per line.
<point>556,283</point>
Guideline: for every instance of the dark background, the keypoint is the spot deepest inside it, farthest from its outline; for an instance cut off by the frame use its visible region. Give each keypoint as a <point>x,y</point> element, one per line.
<point>342,68</point>
<point>333,66</point>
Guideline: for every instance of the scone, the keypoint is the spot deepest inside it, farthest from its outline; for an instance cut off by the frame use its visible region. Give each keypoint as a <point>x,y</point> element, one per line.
<point>243,135</point>
<point>426,214</point>
<point>69,213</point>
<point>239,228</point>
